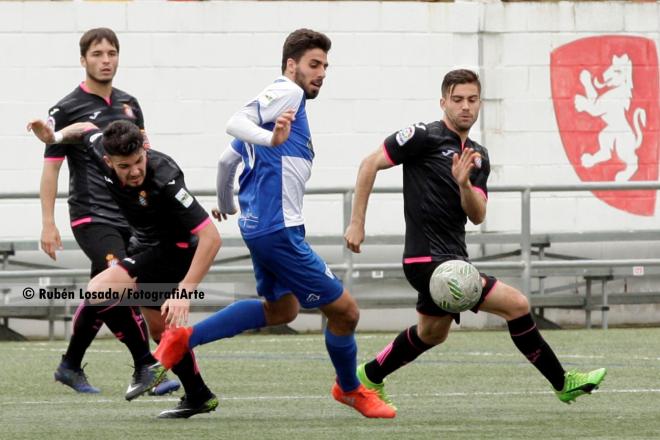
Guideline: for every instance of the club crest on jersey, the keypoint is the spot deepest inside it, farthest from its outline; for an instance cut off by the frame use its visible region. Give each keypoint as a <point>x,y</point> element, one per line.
<point>128,111</point>
<point>142,198</point>
<point>404,135</point>
<point>111,260</point>
<point>184,198</point>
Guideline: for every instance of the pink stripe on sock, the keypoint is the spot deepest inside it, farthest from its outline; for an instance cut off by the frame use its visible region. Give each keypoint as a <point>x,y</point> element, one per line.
<point>137,320</point>
<point>108,308</point>
<point>525,332</point>
<point>75,316</point>
<point>195,366</point>
<point>383,354</point>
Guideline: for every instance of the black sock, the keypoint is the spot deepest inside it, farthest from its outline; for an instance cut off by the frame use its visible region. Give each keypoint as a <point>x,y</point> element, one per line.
<point>529,341</point>
<point>86,325</point>
<point>403,349</point>
<point>193,384</point>
<point>126,326</point>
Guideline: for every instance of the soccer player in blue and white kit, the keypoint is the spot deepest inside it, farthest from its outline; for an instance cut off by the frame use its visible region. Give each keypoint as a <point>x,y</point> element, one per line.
<point>273,141</point>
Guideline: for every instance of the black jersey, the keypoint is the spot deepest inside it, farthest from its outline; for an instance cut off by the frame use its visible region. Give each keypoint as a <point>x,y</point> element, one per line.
<point>89,200</point>
<point>161,210</point>
<point>435,220</point>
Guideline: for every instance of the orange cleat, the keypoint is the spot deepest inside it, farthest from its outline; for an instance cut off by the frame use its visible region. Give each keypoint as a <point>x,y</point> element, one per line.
<point>365,401</point>
<point>173,346</point>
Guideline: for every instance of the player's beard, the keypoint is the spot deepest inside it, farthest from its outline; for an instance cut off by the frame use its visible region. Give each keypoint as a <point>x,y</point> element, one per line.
<point>100,81</point>
<point>299,79</point>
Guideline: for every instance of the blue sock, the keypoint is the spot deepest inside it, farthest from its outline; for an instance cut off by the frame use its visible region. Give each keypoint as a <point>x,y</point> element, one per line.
<point>242,315</point>
<point>343,354</point>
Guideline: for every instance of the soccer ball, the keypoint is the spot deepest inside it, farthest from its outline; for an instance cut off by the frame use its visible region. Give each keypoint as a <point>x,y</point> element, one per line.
<point>455,286</point>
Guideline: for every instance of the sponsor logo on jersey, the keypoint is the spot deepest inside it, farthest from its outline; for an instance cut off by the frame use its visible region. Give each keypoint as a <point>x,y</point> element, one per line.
<point>95,115</point>
<point>107,179</point>
<point>53,111</point>
<point>184,198</point>
<point>129,260</point>
<point>266,98</point>
<point>171,182</point>
<point>448,153</point>
<point>404,135</point>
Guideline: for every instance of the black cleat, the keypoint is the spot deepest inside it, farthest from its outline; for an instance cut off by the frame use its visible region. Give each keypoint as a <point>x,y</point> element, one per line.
<point>74,378</point>
<point>145,378</point>
<point>187,408</point>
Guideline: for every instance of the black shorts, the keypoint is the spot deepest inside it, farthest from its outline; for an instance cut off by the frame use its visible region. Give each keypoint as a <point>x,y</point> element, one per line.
<point>419,276</point>
<point>103,244</point>
<point>158,268</point>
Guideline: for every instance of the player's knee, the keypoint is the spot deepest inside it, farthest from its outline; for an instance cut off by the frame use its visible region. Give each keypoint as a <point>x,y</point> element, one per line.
<point>280,315</point>
<point>432,335</point>
<point>519,305</point>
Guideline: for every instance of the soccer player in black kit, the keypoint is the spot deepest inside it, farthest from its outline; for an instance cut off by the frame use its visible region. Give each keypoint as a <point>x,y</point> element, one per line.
<point>444,184</point>
<point>175,244</point>
<point>98,226</point>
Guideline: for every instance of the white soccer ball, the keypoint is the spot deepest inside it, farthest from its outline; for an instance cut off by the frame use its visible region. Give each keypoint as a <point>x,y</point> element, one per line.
<point>455,286</point>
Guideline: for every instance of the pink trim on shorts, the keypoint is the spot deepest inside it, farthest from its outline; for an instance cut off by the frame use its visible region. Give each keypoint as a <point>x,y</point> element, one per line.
<point>383,354</point>
<point>201,225</point>
<point>86,90</point>
<point>183,245</point>
<point>480,191</point>
<point>387,156</point>
<point>413,260</point>
<point>54,159</point>
<point>81,221</point>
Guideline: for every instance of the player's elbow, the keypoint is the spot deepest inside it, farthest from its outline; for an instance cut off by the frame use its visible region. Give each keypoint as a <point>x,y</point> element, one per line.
<point>478,218</point>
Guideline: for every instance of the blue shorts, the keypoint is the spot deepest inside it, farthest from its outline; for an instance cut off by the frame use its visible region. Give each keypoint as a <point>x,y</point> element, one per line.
<point>285,263</point>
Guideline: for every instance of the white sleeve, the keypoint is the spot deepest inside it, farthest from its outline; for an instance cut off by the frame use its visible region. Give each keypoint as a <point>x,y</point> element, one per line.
<point>227,166</point>
<point>277,98</point>
<point>244,125</point>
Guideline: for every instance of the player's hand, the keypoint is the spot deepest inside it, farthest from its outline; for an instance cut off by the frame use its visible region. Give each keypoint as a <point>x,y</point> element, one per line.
<point>175,311</point>
<point>42,130</point>
<point>51,240</point>
<point>354,237</point>
<point>220,216</point>
<point>282,127</point>
<point>462,165</point>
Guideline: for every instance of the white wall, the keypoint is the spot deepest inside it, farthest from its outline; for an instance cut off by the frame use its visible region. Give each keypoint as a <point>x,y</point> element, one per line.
<point>191,64</point>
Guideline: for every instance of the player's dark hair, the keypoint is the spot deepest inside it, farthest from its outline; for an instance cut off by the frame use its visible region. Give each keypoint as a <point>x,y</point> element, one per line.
<point>97,35</point>
<point>122,138</point>
<point>300,41</point>
<point>459,76</point>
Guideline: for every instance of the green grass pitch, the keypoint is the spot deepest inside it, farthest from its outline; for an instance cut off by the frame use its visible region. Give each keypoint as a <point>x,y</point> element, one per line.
<point>475,386</point>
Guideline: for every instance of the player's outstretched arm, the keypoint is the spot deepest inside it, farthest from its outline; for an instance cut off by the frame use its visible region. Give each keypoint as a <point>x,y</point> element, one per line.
<point>46,134</point>
<point>176,310</point>
<point>376,161</point>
